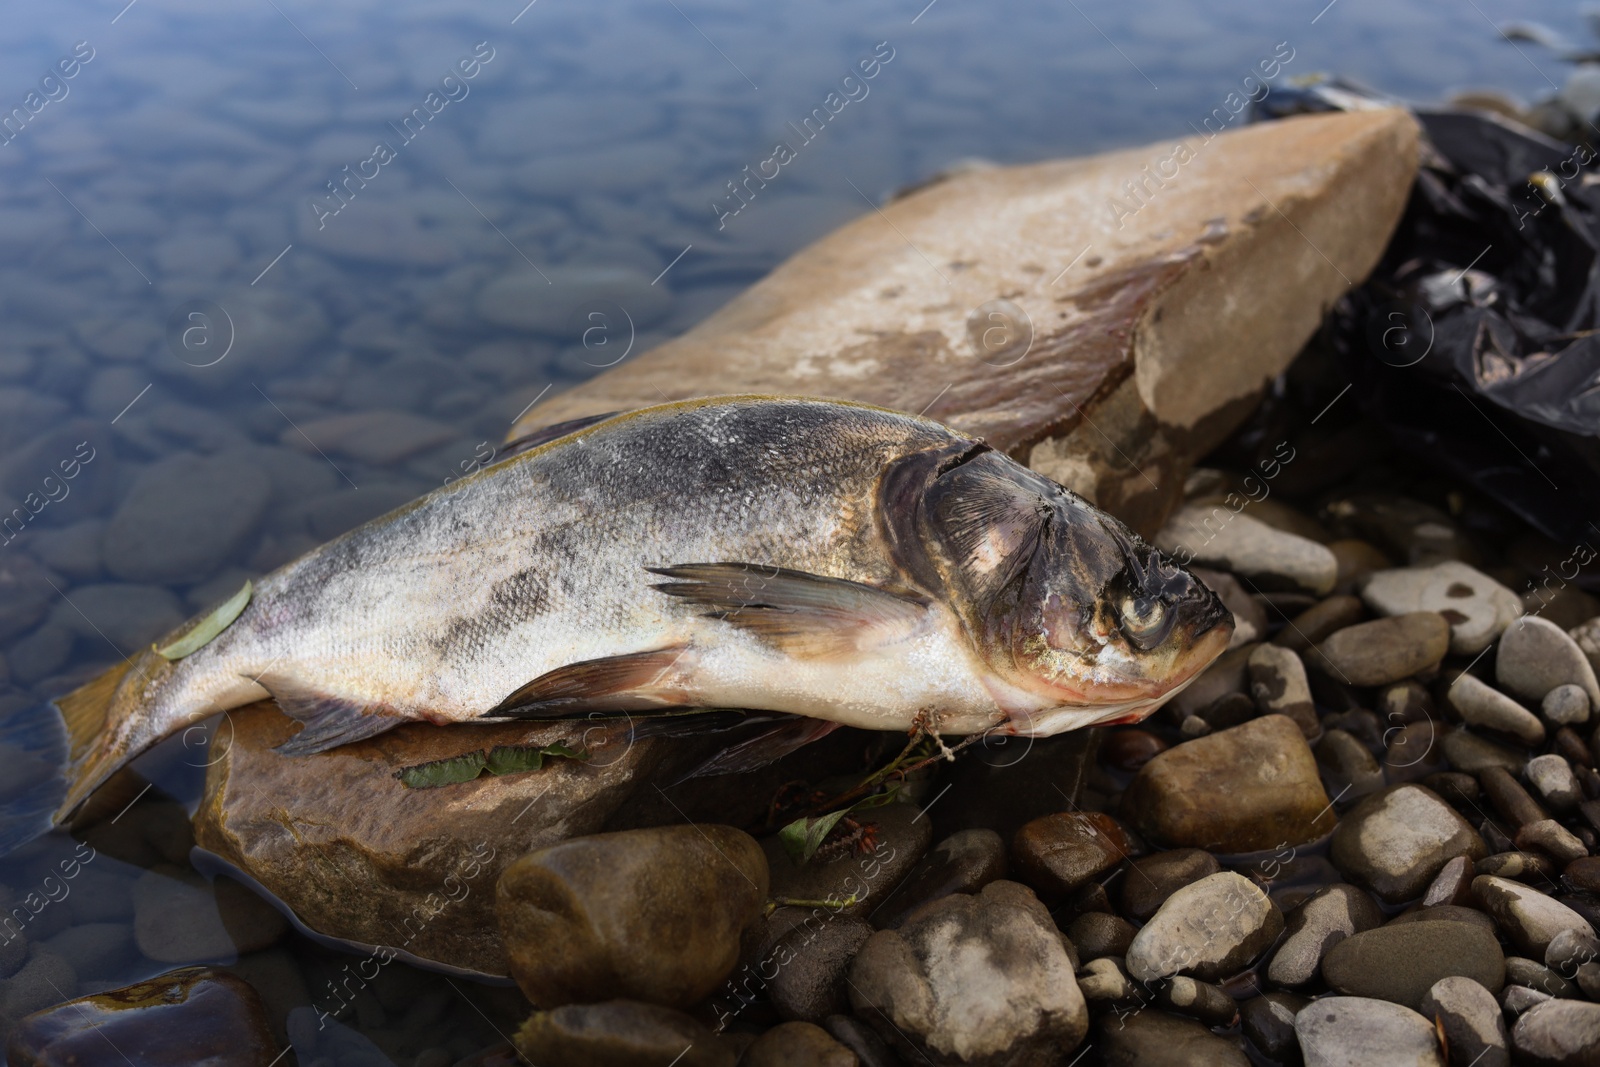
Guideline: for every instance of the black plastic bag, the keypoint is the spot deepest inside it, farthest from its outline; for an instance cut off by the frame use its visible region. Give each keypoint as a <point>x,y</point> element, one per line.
<point>1476,341</point>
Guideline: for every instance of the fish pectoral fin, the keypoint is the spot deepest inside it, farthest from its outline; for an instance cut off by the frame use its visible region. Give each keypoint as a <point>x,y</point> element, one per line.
<point>805,615</point>
<point>635,681</point>
<point>769,746</point>
<point>327,721</point>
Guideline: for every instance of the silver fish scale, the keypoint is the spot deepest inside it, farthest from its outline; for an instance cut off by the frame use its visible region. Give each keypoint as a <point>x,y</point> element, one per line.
<point>450,604</point>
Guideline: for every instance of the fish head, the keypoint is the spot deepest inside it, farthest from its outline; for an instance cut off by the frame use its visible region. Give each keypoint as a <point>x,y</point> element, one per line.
<point>1078,620</point>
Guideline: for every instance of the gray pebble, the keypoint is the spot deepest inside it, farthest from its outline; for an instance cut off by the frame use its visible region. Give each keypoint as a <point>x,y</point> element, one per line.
<point>810,980</point>
<point>1516,999</point>
<point>1566,705</point>
<point>1535,975</point>
<point>1104,980</point>
<point>1553,778</point>
<point>1359,1032</point>
<point>1327,917</point>
<point>1559,1032</point>
<point>1570,949</point>
<point>1471,1020</point>
<point>1401,963</point>
<point>1535,656</point>
<point>1551,837</point>
<point>1208,929</point>
<point>1529,918</point>
<point>1396,841</point>
<point>1205,1001</point>
<point>1268,1023</point>
<point>1483,705</point>
<point>1098,934</point>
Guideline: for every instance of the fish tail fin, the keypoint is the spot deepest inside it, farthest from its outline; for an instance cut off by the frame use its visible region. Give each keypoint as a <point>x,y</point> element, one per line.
<point>34,744</point>
<point>111,719</point>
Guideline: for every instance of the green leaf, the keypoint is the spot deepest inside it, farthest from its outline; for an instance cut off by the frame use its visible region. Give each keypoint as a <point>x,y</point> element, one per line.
<point>207,629</point>
<point>512,759</point>
<point>443,771</point>
<point>803,837</point>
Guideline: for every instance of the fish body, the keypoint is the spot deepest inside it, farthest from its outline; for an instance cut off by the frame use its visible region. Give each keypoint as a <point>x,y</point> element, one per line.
<point>821,559</point>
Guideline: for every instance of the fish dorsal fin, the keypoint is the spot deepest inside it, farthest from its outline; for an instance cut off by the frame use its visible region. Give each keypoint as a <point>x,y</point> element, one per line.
<point>545,434</point>
<point>634,681</point>
<point>805,615</point>
<point>329,721</point>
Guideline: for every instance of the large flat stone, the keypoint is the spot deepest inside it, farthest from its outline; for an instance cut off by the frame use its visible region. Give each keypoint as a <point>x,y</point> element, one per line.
<point>360,857</point>
<point>1159,320</point>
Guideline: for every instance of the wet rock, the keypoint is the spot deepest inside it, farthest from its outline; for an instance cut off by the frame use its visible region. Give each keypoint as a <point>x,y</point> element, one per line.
<point>652,915</point>
<point>859,1038</point>
<point>1095,934</point>
<point>179,918</point>
<point>427,859</point>
<point>1528,918</point>
<point>964,862</point>
<point>1352,770</point>
<point>1321,922</point>
<point>973,980</point>
<point>1152,879</point>
<point>1468,752</point>
<point>1007,781</point>
<point>797,1044</point>
<point>1535,656</point>
<point>811,965</point>
<point>1521,866</point>
<point>93,950</point>
<point>187,1017</point>
<point>1566,704</point>
<point>1208,930</point>
<point>38,983</point>
<point>1509,798</point>
<point>1384,650</point>
<point>901,833</point>
<point>1477,607</point>
<point>1059,853</point>
<point>1151,1038</point>
<point>1252,787</point>
<point>1587,636</point>
<point>1452,913</point>
<point>1470,1018</point>
<point>620,1033</point>
<point>1213,536</point>
<point>1570,949</point>
<point>1485,706</point>
<point>1357,1032</point>
<point>1227,674</point>
<point>1268,1022</point>
<point>1318,621</point>
<point>805,329</point>
<point>1552,777</point>
<point>184,517</point>
<point>1278,684</point>
<point>1129,748</point>
<point>1401,963</point>
<point>1105,981</point>
<point>1396,841</point>
<point>1553,839</point>
<point>1461,790</point>
<point>1452,885</point>
<point>1516,999</point>
<point>1205,1001</point>
<point>1559,1032</point>
<point>1583,874</point>
<point>1535,975</point>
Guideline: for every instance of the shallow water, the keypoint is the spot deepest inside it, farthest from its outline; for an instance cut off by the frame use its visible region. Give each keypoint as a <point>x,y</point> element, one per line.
<point>178,279</point>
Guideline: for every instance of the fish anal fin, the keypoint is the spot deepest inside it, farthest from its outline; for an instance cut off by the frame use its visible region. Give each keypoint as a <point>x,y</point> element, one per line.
<point>328,721</point>
<point>634,681</point>
<point>805,615</point>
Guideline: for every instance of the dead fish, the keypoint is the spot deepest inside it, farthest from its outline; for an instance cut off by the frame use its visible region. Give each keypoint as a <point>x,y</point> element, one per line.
<point>839,562</point>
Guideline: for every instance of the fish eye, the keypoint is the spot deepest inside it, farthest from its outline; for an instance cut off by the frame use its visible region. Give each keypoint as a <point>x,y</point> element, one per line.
<point>1144,620</point>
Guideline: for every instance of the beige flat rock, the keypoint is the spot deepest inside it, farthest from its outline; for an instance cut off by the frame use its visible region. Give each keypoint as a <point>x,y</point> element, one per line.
<point>1022,303</point>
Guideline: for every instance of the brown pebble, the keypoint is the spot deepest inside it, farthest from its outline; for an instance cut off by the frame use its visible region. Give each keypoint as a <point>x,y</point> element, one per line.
<point>1384,650</point>
<point>1573,748</point>
<point>1459,789</point>
<point>1404,701</point>
<point>1582,875</point>
<point>1234,709</point>
<point>1553,839</point>
<point>1356,560</point>
<point>1454,913</point>
<point>1452,885</point>
<point>1522,866</point>
<point>1130,749</point>
<point>1319,620</point>
<point>1509,798</point>
<point>1209,1003</point>
<point>1150,881</point>
<point>1590,810</point>
<point>1056,854</point>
